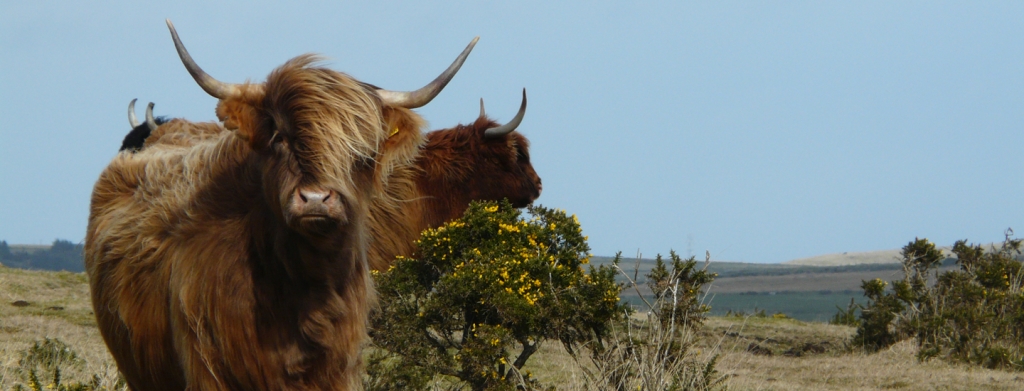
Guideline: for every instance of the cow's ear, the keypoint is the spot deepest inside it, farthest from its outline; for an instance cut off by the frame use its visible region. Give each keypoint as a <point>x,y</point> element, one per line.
<point>239,117</point>
<point>404,140</point>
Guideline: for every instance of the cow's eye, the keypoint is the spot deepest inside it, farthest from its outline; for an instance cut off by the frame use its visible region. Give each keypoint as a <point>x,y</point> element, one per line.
<point>276,138</point>
<point>366,163</point>
<point>278,143</point>
<point>521,154</point>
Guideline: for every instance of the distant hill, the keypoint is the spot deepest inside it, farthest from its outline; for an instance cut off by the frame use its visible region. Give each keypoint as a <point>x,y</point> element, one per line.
<point>866,257</point>
<point>29,248</point>
<point>850,258</point>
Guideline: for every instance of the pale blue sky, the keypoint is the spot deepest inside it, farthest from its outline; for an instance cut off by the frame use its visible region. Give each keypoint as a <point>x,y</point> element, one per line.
<point>760,131</point>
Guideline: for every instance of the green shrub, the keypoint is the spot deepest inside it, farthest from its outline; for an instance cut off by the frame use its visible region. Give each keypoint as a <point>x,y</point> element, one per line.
<point>677,294</point>
<point>974,314</point>
<point>847,317</point>
<point>481,294</point>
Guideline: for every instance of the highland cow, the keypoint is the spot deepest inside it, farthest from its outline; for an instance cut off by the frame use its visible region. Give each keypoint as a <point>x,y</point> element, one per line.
<point>237,259</point>
<point>481,161</point>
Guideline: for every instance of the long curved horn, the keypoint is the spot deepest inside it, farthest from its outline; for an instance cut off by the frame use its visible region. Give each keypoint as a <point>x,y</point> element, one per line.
<point>150,122</point>
<point>511,125</point>
<point>422,96</point>
<point>134,122</point>
<point>212,86</point>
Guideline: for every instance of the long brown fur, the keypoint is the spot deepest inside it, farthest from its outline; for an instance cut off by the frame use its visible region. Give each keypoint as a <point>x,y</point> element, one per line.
<point>199,279</point>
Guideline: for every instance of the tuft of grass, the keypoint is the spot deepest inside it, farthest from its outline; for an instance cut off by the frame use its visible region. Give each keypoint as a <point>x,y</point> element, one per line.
<point>647,354</point>
<point>659,350</point>
<point>45,363</point>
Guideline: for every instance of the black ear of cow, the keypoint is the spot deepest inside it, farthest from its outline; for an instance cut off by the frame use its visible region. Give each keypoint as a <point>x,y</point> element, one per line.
<point>136,138</point>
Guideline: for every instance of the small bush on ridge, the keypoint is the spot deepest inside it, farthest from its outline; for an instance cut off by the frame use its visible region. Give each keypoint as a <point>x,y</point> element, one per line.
<point>678,294</point>
<point>657,352</point>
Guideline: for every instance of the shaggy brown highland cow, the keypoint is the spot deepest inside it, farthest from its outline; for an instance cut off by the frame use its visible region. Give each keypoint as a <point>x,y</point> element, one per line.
<point>236,260</point>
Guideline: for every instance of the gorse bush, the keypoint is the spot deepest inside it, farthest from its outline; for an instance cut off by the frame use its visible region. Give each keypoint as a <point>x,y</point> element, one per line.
<point>480,296</point>
<point>974,314</point>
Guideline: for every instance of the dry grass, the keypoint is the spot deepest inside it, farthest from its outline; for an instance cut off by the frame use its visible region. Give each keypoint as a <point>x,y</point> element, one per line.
<point>648,365</point>
<point>58,307</point>
<point>837,368</point>
<point>834,368</point>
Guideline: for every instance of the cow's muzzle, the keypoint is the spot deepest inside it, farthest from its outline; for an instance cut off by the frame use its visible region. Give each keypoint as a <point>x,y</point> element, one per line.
<point>316,211</point>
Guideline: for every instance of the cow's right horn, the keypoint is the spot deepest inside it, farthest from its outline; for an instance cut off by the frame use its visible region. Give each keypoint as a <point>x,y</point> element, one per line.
<point>422,96</point>
<point>134,122</point>
<point>502,130</point>
<point>150,121</point>
<point>212,86</point>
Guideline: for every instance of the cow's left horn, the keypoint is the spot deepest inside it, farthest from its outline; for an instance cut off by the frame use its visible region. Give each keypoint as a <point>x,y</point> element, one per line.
<point>134,122</point>
<point>212,86</point>
<point>511,125</point>
<point>422,96</point>
<point>150,121</point>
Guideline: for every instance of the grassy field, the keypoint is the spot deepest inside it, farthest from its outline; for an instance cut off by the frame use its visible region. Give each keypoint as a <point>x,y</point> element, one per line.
<point>787,354</point>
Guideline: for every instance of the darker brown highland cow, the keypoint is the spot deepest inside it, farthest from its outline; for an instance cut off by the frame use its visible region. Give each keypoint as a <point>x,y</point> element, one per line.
<point>481,161</point>
<point>236,260</point>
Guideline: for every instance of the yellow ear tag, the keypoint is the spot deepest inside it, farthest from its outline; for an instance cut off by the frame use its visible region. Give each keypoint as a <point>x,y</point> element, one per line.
<point>393,132</point>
